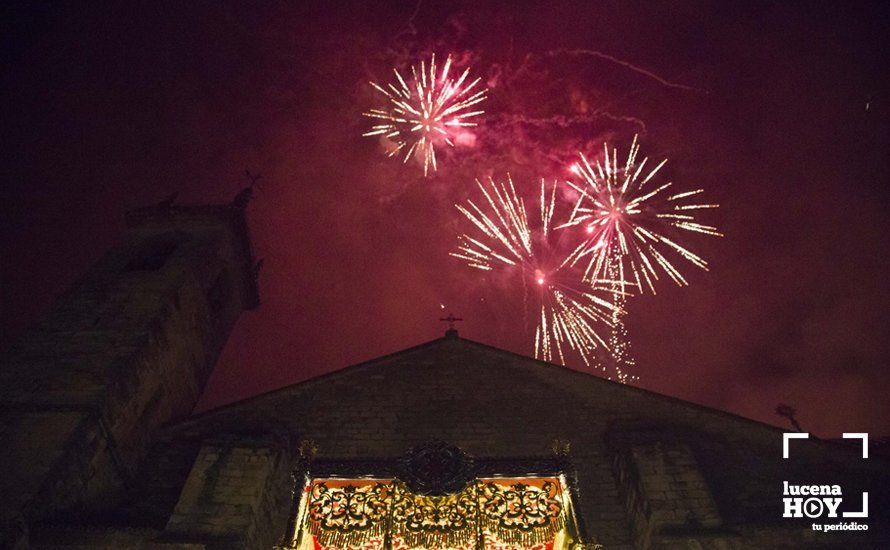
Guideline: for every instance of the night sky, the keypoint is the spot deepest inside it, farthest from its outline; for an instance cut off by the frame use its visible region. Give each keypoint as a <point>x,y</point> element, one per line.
<point>779,110</point>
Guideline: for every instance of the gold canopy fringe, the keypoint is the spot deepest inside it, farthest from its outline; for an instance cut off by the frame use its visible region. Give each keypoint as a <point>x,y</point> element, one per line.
<point>525,537</point>
<point>437,536</point>
<point>349,539</point>
<point>435,539</point>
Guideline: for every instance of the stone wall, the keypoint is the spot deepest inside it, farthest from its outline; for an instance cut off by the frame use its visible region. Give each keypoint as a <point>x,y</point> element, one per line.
<point>651,471</point>
<point>235,497</point>
<point>492,403</point>
<point>664,490</point>
<point>126,349</point>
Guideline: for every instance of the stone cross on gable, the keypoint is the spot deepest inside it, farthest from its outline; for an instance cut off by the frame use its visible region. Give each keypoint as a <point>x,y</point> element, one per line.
<point>451,320</point>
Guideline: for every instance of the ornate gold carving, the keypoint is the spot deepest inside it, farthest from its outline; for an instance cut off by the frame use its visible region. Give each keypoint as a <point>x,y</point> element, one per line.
<point>493,512</point>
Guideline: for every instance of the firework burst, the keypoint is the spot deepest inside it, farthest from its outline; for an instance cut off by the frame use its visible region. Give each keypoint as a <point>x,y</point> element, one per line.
<point>626,214</point>
<point>425,113</point>
<point>570,309</point>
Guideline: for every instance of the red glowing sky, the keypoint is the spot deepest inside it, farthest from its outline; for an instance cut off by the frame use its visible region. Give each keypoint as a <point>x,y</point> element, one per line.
<point>779,112</point>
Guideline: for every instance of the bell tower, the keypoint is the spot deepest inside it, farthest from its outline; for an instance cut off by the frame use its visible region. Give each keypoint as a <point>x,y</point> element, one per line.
<point>126,349</point>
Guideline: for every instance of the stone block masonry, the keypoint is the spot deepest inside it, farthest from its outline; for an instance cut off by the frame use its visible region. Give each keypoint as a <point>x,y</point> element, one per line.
<point>234,497</point>
<point>651,470</point>
<point>126,349</point>
<point>664,490</point>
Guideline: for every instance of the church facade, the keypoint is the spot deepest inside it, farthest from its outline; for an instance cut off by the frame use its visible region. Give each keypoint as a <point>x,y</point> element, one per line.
<point>447,444</point>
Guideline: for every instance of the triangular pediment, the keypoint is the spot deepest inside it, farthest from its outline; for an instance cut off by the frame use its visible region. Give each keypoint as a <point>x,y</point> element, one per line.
<point>449,389</point>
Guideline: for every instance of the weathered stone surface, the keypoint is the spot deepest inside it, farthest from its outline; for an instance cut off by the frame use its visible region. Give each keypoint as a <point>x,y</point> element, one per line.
<point>710,477</point>
<point>652,472</point>
<point>126,349</point>
<point>664,488</point>
<point>235,497</point>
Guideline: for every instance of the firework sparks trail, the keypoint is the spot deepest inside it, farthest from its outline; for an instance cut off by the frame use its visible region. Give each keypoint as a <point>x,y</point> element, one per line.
<point>626,214</point>
<point>619,357</point>
<point>571,309</point>
<point>564,121</point>
<point>627,65</point>
<point>409,26</point>
<point>425,110</point>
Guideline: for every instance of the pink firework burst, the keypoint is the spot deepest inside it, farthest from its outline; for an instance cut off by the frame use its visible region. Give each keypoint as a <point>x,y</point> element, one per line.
<point>569,309</point>
<point>426,112</point>
<point>627,214</point>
